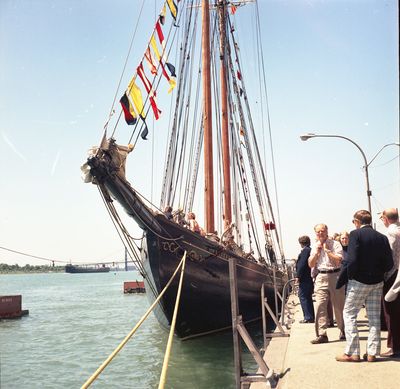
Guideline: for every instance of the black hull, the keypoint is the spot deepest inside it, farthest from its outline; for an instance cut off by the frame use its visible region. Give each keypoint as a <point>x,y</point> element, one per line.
<point>205,305</point>
<point>76,269</point>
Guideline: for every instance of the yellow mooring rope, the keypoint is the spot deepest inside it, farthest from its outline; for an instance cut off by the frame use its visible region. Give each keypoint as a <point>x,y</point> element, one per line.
<point>122,344</point>
<point>172,329</point>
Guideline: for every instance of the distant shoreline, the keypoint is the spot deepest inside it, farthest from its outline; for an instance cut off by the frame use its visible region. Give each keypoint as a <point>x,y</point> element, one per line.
<point>30,269</point>
<point>39,269</point>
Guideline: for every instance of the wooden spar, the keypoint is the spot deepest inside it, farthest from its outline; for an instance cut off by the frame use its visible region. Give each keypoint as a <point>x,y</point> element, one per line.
<point>224,114</point>
<point>207,120</point>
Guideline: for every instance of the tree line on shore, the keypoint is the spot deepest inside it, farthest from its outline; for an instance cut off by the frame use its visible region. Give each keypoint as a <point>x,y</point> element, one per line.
<point>6,268</point>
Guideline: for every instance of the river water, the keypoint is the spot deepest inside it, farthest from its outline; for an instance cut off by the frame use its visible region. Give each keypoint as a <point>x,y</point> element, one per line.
<point>75,322</point>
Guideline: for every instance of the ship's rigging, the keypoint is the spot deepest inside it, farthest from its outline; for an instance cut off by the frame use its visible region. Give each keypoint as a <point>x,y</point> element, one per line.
<point>212,152</point>
<point>183,167</point>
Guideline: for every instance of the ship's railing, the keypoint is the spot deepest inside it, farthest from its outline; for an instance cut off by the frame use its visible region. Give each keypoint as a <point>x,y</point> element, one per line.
<point>281,319</point>
<point>288,268</point>
<point>239,331</point>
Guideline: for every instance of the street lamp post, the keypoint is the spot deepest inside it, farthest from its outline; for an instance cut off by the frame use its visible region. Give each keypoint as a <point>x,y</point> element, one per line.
<point>366,163</point>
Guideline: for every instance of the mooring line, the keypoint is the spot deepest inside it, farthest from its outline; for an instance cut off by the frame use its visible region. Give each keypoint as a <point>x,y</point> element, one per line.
<point>172,329</point>
<point>144,317</point>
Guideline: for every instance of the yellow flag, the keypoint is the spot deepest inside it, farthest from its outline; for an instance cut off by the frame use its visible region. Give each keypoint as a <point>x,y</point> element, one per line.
<point>154,46</point>
<point>136,96</point>
<point>172,8</point>
<point>172,84</point>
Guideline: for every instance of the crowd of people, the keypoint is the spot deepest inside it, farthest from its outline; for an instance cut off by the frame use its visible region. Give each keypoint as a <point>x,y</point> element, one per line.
<point>189,221</point>
<point>347,272</point>
<point>178,216</point>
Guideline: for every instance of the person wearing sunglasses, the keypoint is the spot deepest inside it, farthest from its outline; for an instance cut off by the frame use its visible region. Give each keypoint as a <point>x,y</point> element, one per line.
<point>369,257</point>
<point>391,306</point>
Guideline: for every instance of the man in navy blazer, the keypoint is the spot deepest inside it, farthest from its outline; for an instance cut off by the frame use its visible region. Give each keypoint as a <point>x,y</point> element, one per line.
<point>306,284</point>
<point>369,257</point>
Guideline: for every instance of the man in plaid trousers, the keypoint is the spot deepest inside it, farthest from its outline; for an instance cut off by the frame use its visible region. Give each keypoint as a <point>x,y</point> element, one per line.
<point>369,257</point>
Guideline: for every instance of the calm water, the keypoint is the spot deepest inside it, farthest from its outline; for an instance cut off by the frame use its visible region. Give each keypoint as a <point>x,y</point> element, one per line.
<point>76,320</point>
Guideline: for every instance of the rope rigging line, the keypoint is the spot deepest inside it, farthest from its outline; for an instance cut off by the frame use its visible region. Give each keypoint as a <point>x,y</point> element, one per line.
<point>132,332</point>
<point>112,212</point>
<point>184,170</point>
<point>33,256</point>
<point>254,142</point>
<point>219,179</point>
<point>192,165</point>
<point>172,329</point>
<point>56,260</point>
<point>120,227</point>
<point>196,123</point>
<point>140,123</point>
<point>269,127</point>
<point>170,166</point>
<point>178,169</point>
<point>240,161</point>
<point>152,230</point>
<point>118,223</point>
<point>185,144</point>
<point>124,68</point>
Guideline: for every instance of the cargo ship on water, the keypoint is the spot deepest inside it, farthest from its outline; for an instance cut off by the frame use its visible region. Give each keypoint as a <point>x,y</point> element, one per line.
<point>86,269</point>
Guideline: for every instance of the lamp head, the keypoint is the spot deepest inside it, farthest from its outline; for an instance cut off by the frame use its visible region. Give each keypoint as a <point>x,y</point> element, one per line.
<point>307,136</point>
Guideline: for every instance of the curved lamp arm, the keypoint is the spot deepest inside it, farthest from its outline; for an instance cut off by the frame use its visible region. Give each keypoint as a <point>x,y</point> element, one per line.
<point>305,137</point>
<point>389,144</point>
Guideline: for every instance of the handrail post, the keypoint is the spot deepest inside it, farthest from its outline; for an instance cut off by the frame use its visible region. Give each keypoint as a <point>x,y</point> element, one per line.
<point>284,298</point>
<point>235,311</point>
<point>264,323</point>
<point>275,290</point>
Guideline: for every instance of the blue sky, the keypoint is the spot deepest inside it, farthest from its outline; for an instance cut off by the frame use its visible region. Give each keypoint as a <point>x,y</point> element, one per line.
<point>331,66</point>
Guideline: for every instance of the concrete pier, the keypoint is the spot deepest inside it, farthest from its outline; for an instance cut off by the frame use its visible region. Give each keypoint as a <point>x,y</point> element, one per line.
<point>303,365</point>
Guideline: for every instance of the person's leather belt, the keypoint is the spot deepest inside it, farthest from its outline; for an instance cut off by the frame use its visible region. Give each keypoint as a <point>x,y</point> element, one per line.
<point>329,271</point>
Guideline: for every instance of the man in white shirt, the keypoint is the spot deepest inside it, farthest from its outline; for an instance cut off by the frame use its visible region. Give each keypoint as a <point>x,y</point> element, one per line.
<point>326,256</point>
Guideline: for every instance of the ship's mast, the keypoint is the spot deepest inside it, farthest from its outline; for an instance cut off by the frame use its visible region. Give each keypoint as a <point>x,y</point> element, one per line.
<point>207,120</point>
<point>224,116</point>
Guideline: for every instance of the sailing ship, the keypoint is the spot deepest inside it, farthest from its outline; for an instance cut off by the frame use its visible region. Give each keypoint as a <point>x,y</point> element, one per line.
<point>239,220</point>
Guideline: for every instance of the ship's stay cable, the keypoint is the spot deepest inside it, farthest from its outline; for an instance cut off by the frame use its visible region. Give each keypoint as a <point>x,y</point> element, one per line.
<point>135,328</point>
<point>125,64</point>
<point>255,146</point>
<point>172,329</point>
<point>196,140</point>
<point>140,123</point>
<point>174,135</point>
<point>247,147</point>
<point>218,118</point>
<point>155,83</point>
<point>116,220</point>
<point>258,24</point>
<point>176,240</point>
<point>118,223</point>
<point>120,227</point>
<point>185,161</point>
<point>176,174</point>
